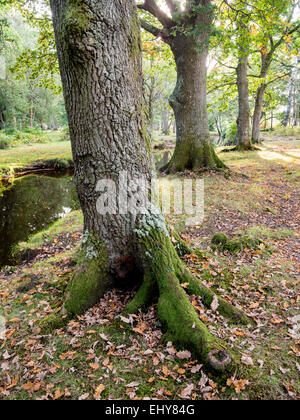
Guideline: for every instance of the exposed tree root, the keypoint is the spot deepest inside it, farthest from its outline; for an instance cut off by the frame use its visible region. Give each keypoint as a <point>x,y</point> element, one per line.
<point>193,158</point>
<point>241,148</point>
<point>144,296</point>
<point>163,274</point>
<point>91,278</point>
<point>196,287</point>
<point>178,317</point>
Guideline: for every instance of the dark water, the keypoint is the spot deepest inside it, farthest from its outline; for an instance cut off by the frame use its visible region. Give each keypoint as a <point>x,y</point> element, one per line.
<point>30,205</point>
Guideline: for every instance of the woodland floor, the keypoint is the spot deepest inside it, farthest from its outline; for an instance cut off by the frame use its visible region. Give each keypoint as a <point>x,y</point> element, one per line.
<point>82,361</point>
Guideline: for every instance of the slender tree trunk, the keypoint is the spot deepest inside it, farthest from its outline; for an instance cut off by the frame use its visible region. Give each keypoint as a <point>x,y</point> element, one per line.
<point>2,120</point>
<point>100,62</point>
<point>244,141</point>
<point>259,102</point>
<point>189,101</point>
<point>290,102</point>
<point>266,60</point>
<point>151,87</point>
<point>165,120</point>
<point>31,111</point>
<point>272,120</point>
<point>54,127</point>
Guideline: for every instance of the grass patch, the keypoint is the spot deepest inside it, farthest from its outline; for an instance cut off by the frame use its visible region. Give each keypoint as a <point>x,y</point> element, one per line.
<point>25,155</point>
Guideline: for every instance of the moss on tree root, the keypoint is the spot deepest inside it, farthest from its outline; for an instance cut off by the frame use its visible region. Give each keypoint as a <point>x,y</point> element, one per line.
<point>196,287</point>
<point>175,311</point>
<point>163,274</point>
<point>52,322</point>
<point>225,309</point>
<point>91,278</point>
<point>241,148</point>
<point>191,157</point>
<point>144,296</point>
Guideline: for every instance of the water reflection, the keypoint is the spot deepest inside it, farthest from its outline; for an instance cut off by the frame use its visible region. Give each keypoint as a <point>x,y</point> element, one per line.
<point>30,205</point>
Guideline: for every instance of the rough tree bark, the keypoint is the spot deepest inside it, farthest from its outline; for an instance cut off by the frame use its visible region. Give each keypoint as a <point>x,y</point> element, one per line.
<point>194,149</point>
<point>100,62</point>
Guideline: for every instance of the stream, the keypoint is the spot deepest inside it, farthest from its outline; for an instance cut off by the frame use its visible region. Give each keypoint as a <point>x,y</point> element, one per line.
<point>31,204</point>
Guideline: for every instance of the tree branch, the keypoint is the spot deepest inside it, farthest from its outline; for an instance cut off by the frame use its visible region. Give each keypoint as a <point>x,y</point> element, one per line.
<point>220,86</point>
<point>158,33</point>
<point>151,7</point>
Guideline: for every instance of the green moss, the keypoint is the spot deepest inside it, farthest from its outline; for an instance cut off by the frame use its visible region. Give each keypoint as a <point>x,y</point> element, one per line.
<point>4,144</point>
<point>51,323</point>
<point>144,296</point>
<point>77,17</point>
<point>221,242</point>
<point>188,156</point>
<point>91,278</point>
<point>219,239</point>
<point>180,245</point>
<point>135,37</point>
<point>225,309</point>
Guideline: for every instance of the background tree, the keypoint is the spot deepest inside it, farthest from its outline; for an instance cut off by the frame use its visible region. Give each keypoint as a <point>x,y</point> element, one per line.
<point>160,77</point>
<point>291,94</point>
<point>278,26</point>
<point>187,31</point>
<point>25,99</point>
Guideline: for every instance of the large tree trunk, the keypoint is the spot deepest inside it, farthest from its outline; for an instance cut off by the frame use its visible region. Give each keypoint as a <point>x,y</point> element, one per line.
<point>101,75</point>
<point>151,103</point>
<point>194,149</point>
<point>244,141</point>
<point>100,61</point>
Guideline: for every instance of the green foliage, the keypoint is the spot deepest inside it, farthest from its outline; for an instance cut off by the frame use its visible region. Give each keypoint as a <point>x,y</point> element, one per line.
<point>232,133</point>
<point>25,98</point>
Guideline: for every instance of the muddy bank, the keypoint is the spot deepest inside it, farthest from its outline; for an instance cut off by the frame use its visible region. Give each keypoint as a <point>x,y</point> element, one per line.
<point>41,167</point>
